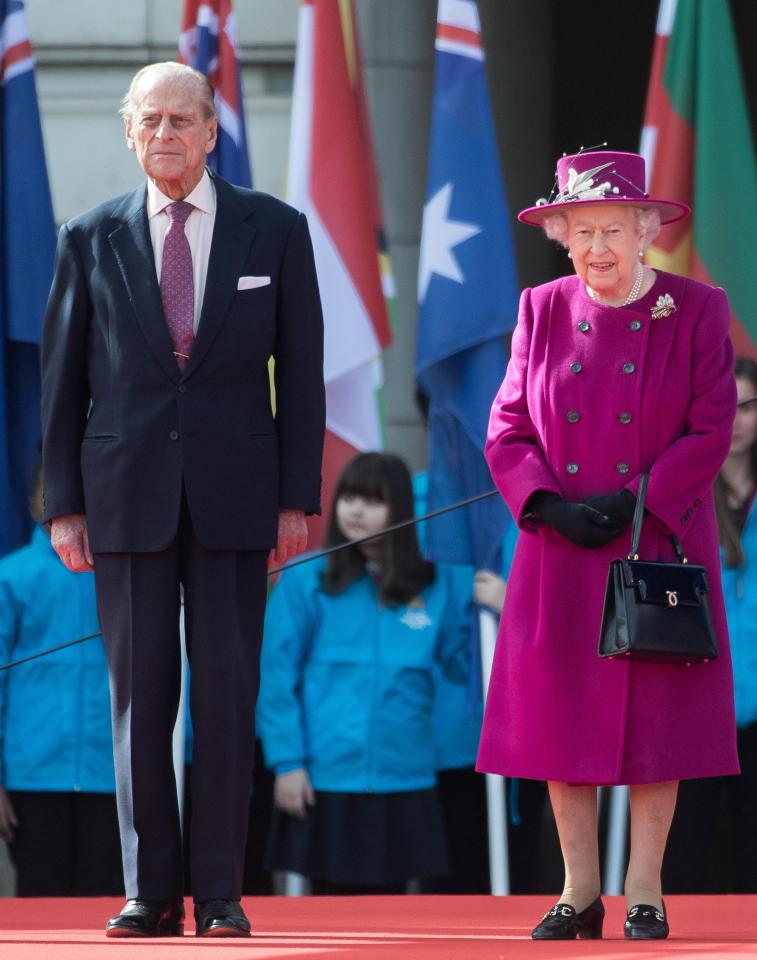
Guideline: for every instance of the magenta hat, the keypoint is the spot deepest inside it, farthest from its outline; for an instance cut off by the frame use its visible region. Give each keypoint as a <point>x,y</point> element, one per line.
<point>606,176</point>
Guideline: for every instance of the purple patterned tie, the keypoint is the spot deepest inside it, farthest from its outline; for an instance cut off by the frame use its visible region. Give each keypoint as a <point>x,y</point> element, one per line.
<point>177,282</point>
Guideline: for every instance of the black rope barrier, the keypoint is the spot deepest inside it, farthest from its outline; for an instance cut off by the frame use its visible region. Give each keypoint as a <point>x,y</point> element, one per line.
<point>312,556</point>
<point>292,563</point>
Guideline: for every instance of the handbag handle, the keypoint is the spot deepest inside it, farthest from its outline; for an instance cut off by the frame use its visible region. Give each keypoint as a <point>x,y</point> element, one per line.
<point>638,517</point>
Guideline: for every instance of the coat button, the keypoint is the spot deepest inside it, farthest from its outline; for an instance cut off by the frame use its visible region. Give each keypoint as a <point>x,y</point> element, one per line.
<point>625,417</point>
<point>576,367</point>
<point>173,435</point>
<point>584,326</point>
<point>573,416</point>
<point>622,467</point>
<point>635,325</point>
<point>182,388</point>
<point>629,367</point>
<point>572,468</point>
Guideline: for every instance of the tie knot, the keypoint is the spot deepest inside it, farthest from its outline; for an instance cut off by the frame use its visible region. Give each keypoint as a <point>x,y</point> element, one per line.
<point>179,211</point>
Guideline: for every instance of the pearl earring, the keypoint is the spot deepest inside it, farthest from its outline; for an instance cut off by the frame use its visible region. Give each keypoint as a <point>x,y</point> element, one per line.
<point>570,255</point>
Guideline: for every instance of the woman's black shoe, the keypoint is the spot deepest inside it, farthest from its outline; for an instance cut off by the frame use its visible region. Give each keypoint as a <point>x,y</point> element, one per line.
<point>563,923</point>
<point>646,923</point>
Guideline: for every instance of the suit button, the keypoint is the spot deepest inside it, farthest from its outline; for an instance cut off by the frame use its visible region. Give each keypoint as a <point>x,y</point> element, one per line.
<point>629,367</point>
<point>182,388</point>
<point>635,325</point>
<point>622,467</point>
<point>572,468</point>
<point>576,367</point>
<point>573,416</point>
<point>625,417</point>
<point>173,435</point>
<point>584,326</point>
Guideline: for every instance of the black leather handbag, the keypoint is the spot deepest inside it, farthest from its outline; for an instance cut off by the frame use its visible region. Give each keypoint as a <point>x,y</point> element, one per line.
<point>656,611</point>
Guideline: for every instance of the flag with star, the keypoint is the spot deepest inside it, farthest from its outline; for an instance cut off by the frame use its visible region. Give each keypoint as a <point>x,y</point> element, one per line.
<point>27,249</point>
<point>698,146</point>
<point>467,292</point>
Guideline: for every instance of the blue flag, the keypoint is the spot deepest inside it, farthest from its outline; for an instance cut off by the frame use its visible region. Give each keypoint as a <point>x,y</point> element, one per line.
<point>27,248</point>
<point>467,293</point>
<point>209,43</point>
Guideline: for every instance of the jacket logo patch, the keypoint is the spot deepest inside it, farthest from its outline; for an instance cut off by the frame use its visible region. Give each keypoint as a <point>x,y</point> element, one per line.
<point>415,615</point>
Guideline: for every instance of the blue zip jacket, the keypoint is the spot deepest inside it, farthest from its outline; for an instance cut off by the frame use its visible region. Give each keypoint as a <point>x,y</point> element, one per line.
<point>347,685</point>
<point>740,593</point>
<point>55,711</point>
<point>458,707</point>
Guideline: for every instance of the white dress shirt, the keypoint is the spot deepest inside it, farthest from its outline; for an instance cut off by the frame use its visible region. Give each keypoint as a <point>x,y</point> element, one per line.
<point>198,230</point>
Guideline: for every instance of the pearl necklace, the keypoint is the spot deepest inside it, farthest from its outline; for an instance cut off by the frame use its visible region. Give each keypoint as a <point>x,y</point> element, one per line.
<point>634,292</point>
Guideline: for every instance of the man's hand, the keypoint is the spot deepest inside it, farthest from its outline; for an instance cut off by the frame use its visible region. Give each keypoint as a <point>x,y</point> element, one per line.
<point>70,541</point>
<point>292,538</point>
<point>293,793</point>
<point>489,590</point>
<point>7,817</point>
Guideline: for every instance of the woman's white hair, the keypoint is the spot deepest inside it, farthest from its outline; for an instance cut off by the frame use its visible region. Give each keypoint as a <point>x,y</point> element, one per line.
<point>647,221</point>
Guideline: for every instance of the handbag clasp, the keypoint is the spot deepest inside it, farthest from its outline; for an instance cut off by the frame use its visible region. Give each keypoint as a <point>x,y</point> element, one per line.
<point>672,598</point>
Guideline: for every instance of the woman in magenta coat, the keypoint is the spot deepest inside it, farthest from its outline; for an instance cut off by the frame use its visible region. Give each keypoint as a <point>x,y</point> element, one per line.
<point>615,371</point>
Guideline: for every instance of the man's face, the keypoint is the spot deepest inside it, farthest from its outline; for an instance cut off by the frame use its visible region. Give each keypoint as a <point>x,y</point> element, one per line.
<point>169,132</point>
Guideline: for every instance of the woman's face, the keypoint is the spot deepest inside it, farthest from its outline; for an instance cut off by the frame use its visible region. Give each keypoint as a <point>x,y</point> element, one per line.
<point>359,516</point>
<point>744,434</point>
<point>604,242</point>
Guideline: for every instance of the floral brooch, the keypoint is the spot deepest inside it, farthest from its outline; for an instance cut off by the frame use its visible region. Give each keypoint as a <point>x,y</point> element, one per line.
<point>664,307</point>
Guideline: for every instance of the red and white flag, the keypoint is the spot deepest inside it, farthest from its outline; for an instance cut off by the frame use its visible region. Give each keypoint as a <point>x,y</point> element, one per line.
<point>332,179</point>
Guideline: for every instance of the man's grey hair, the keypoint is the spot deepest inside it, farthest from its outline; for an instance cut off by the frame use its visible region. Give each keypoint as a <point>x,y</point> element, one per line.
<point>171,71</point>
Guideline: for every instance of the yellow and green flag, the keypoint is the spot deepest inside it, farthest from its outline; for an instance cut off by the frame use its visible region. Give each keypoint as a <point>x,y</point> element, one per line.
<point>699,149</point>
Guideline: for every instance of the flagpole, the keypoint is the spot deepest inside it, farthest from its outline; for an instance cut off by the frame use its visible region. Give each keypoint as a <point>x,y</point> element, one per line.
<point>496,802</point>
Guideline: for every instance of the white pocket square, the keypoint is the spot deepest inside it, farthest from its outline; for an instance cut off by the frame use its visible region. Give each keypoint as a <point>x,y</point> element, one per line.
<point>249,283</point>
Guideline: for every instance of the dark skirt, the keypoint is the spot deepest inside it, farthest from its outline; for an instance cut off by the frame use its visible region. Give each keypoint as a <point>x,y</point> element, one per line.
<point>370,839</point>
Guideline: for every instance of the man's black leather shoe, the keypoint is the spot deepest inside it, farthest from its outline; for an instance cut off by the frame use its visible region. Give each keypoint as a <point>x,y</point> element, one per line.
<point>221,918</point>
<point>147,918</point>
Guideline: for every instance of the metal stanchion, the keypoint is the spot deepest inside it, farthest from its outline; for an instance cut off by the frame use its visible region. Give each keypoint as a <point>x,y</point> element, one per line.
<point>180,727</point>
<point>617,827</point>
<point>295,885</point>
<point>496,801</point>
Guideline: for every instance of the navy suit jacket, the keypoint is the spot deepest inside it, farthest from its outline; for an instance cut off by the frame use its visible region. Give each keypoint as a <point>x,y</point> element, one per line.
<point>124,429</point>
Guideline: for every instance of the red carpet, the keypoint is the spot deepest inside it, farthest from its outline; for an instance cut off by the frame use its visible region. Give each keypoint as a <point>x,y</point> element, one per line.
<point>379,928</point>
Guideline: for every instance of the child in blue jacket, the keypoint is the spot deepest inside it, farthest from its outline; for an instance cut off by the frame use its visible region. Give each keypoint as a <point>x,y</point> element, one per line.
<point>57,785</point>
<point>347,693</point>
<point>713,845</point>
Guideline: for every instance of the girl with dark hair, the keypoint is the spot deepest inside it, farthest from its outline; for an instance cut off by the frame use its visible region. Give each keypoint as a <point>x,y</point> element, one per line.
<point>720,811</point>
<point>346,698</point>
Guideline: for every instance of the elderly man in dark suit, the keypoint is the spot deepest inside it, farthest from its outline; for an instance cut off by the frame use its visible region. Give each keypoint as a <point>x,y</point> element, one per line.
<point>166,466</point>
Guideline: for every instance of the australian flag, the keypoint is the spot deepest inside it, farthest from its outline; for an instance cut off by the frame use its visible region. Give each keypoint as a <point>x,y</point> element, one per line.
<point>209,43</point>
<point>467,293</point>
<point>27,248</point>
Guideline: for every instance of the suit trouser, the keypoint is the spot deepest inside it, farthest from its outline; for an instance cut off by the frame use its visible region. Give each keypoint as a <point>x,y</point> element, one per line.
<point>139,604</point>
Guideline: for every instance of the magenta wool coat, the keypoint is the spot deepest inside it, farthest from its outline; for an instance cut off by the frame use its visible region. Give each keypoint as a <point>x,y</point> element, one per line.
<point>593,397</point>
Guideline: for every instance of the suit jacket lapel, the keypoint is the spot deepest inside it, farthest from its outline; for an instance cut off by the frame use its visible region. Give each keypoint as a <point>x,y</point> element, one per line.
<point>133,249</point>
<point>232,238</point>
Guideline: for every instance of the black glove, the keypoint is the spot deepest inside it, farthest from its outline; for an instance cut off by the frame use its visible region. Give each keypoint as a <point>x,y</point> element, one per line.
<point>577,522</point>
<point>619,507</point>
